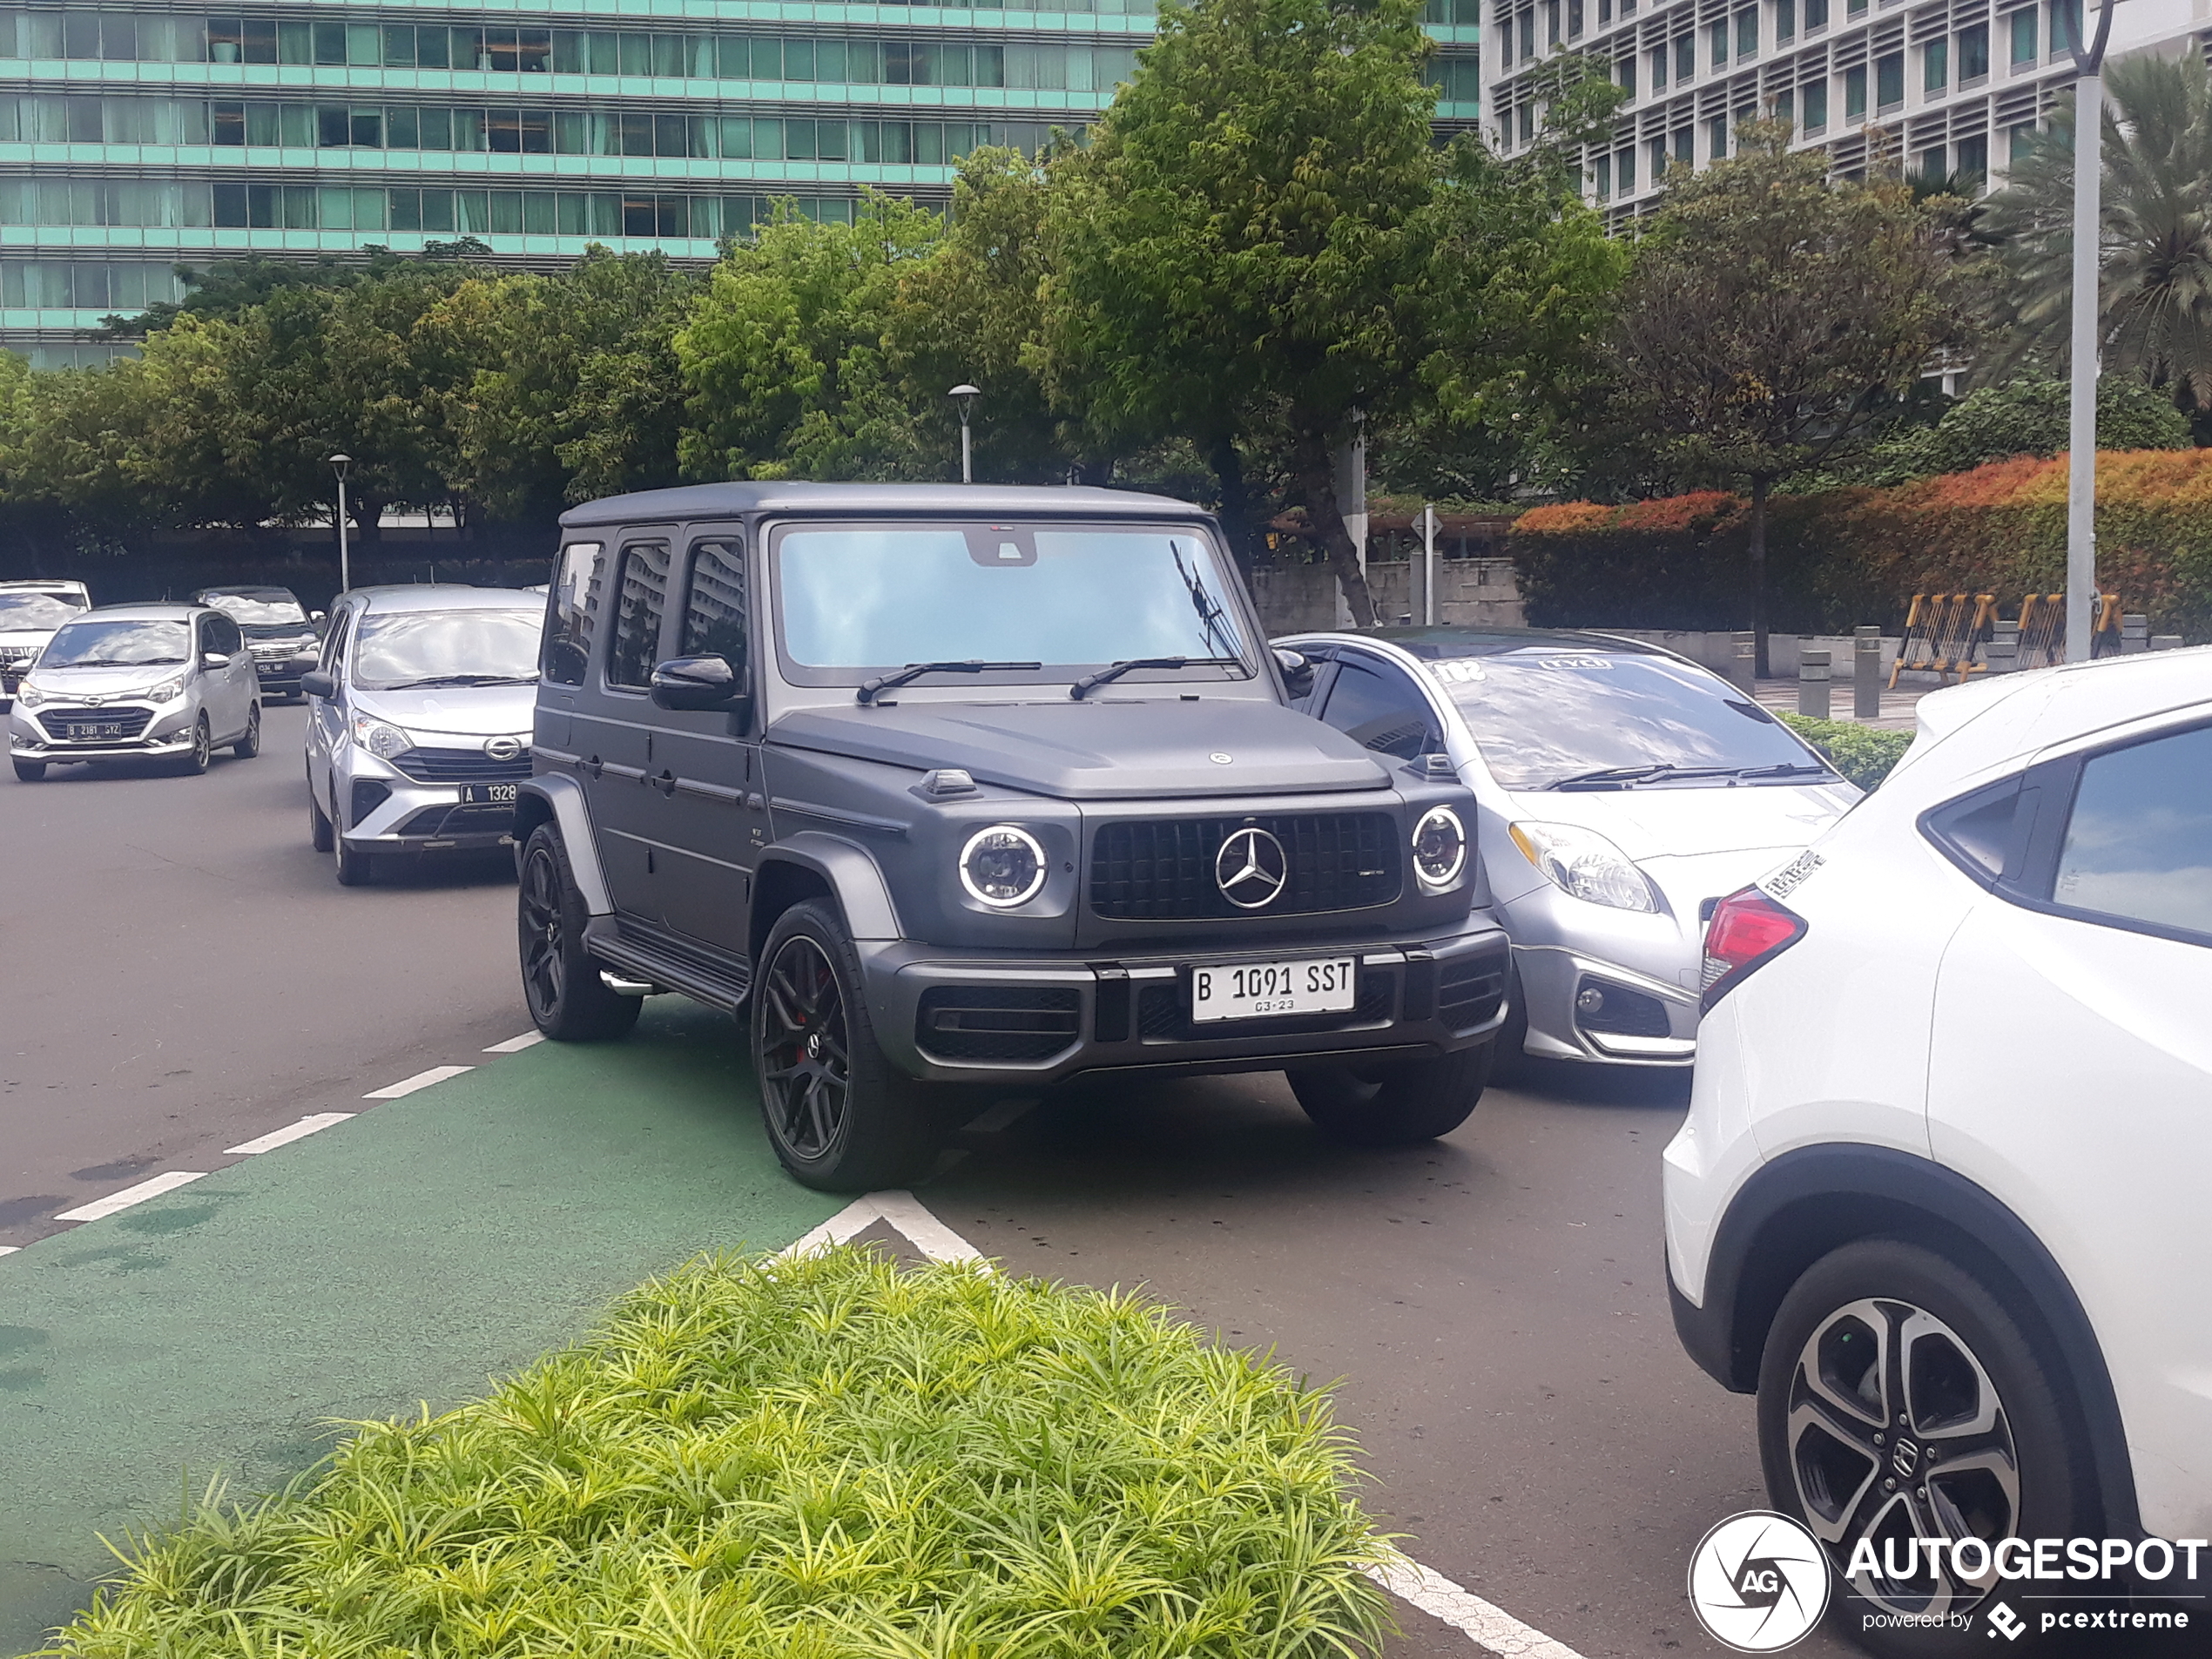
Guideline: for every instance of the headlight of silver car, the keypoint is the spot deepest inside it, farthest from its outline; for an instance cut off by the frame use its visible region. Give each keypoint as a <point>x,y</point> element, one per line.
<point>1439,847</point>
<point>168,692</point>
<point>1002,867</point>
<point>31,696</point>
<point>383,741</point>
<point>1584,863</point>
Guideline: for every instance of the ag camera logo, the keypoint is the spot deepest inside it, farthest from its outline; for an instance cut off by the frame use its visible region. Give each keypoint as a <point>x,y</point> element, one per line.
<point>1758,1583</point>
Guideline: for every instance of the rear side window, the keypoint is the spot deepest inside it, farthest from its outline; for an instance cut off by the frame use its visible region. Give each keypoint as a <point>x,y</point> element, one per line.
<point>333,648</point>
<point>2138,843</point>
<point>571,611</point>
<point>641,603</point>
<point>714,605</point>
<point>1380,708</point>
<point>1983,833</point>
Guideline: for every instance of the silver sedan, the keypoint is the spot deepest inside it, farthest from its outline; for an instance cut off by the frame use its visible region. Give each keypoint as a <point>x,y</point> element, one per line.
<point>1621,790</point>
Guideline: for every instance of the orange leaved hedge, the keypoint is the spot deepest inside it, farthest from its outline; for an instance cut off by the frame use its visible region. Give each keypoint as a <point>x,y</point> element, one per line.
<point>1845,556</point>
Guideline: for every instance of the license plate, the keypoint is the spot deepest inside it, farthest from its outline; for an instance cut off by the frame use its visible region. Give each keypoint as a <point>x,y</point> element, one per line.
<point>81,731</point>
<point>1262,990</point>
<point>488,794</point>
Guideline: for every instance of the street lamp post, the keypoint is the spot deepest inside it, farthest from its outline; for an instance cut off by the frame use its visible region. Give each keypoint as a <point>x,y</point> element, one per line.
<point>339,463</point>
<point>2081,410</point>
<point>965,395</point>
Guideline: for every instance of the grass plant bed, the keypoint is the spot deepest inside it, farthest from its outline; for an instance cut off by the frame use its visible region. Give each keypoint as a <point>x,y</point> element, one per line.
<point>1863,753</point>
<point>804,1460</point>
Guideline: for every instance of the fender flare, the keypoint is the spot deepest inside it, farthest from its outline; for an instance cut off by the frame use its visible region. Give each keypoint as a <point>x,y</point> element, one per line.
<point>1815,1199</point>
<point>851,874</point>
<point>551,798</point>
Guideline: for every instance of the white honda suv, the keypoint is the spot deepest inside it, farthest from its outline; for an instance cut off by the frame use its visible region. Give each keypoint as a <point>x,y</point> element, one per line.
<point>1940,1200</point>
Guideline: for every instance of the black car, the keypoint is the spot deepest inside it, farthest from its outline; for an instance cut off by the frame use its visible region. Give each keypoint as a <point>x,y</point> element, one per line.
<point>980,786</point>
<point>279,632</point>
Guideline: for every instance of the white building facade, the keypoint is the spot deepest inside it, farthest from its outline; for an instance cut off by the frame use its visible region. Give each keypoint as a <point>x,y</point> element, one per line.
<point>1944,87</point>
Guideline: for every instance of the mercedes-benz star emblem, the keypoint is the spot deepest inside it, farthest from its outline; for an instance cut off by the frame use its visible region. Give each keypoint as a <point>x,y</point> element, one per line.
<point>1251,868</point>
<point>502,748</point>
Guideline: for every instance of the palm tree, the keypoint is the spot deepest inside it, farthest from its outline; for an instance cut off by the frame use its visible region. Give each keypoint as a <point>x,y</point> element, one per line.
<point>2155,295</point>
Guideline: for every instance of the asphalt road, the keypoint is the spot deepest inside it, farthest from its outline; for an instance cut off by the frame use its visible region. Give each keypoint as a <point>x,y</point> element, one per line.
<point>180,972</point>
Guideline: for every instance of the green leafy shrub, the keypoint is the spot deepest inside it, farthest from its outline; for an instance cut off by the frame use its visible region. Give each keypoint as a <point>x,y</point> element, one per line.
<point>2027,416</point>
<point>1863,754</point>
<point>822,1458</point>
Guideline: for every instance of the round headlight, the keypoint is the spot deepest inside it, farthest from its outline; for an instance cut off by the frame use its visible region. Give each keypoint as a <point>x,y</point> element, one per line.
<point>1002,867</point>
<point>381,740</point>
<point>1439,847</point>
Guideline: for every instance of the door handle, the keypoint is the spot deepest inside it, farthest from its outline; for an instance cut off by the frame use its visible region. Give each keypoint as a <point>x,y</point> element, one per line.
<point>666,783</point>
<point>594,766</point>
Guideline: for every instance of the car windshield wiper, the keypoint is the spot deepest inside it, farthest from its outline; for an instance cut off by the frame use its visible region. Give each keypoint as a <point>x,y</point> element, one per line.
<point>1091,682</point>
<point>1784,769</point>
<point>916,671</point>
<point>455,679</point>
<point>120,662</point>
<point>1605,776</point>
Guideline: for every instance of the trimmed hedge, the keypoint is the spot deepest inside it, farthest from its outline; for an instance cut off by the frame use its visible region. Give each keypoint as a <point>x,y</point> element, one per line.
<point>1863,754</point>
<point>829,1458</point>
<point>1845,556</point>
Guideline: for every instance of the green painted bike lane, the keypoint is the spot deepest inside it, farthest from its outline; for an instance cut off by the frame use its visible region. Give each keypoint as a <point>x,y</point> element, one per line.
<point>403,1256</point>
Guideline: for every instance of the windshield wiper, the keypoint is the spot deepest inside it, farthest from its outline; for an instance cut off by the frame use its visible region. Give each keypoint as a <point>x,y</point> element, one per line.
<point>916,671</point>
<point>1605,775</point>
<point>1092,682</point>
<point>120,662</point>
<point>455,679</point>
<point>1784,769</point>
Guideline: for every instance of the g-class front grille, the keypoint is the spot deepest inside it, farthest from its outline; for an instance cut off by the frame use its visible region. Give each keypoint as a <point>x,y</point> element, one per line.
<point>462,766</point>
<point>1166,869</point>
<point>1005,1023</point>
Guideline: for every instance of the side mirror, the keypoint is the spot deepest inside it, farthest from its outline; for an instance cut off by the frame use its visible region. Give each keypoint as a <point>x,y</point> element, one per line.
<point>1297,670</point>
<point>315,683</point>
<point>215,660</point>
<point>315,616</point>
<point>698,682</point>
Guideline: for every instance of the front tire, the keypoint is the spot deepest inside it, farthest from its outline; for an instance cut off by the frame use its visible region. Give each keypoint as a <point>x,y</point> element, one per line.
<point>320,836</point>
<point>249,745</point>
<point>30,772</point>
<point>841,1117</point>
<point>354,867</point>
<point>196,761</point>
<point>567,999</point>
<point>1899,1395</point>
<point>1394,1105</point>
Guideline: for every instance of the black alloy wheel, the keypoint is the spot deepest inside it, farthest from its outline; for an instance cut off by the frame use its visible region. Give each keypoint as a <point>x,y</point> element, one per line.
<point>568,1001</point>
<point>1901,1401</point>
<point>841,1117</point>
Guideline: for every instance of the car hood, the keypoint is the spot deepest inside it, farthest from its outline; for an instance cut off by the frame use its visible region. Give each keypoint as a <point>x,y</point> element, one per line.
<point>1101,750</point>
<point>1695,819</point>
<point>106,682</point>
<point>465,711</point>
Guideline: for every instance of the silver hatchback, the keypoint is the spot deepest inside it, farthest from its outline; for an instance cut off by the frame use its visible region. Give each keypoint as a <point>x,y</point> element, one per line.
<point>128,682</point>
<point>418,721</point>
<point>1622,790</point>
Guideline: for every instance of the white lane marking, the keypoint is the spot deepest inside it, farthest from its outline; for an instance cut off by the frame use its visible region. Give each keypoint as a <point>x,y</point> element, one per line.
<point>421,1080</point>
<point>123,1200</point>
<point>516,1045</point>
<point>289,1133</point>
<point>8,1250</point>
<point>856,1217</point>
<point>1484,1624</point>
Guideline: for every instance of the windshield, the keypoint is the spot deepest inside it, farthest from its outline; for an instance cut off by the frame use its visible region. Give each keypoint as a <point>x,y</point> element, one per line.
<point>263,606</point>
<point>446,648</point>
<point>118,644</point>
<point>1546,716</point>
<point>854,599</point>
<point>23,612</point>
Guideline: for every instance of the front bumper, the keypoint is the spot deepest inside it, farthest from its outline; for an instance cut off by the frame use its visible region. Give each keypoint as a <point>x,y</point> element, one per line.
<point>385,811</point>
<point>988,1017</point>
<point>168,733</point>
<point>1604,986</point>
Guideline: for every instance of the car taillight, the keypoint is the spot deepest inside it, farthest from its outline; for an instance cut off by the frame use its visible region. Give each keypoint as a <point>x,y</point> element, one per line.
<point>1748,928</point>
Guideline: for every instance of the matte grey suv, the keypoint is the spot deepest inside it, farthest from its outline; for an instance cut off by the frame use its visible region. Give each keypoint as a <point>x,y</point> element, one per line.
<point>980,786</point>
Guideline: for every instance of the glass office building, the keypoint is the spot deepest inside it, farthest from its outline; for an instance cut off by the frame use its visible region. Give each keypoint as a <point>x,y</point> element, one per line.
<point>132,139</point>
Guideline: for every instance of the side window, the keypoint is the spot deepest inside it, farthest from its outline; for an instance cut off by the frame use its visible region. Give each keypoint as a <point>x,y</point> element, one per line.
<point>641,601</point>
<point>2138,843</point>
<point>714,605</point>
<point>572,611</point>
<point>207,634</point>
<point>1377,705</point>
<point>225,633</point>
<point>1983,833</point>
<point>333,645</point>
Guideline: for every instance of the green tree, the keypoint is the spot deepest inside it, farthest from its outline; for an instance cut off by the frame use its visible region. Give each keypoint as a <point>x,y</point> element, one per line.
<point>2154,292</point>
<point>783,355</point>
<point>1772,316</point>
<point>2027,416</point>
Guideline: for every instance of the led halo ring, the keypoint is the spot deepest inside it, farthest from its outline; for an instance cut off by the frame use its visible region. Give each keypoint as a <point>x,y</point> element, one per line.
<point>1450,821</point>
<point>1037,855</point>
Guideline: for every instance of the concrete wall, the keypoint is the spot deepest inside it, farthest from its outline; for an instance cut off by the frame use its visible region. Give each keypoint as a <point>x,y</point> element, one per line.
<point>1300,598</point>
<point>1717,651</point>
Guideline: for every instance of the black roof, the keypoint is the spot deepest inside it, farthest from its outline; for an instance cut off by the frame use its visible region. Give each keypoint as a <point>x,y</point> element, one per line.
<point>971,501</point>
<point>1447,642</point>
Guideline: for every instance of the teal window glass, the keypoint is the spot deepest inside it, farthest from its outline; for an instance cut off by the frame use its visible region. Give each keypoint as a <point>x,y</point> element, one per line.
<point>1685,57</point>
<point>433,49</point>
<point>2023,37</point>
<point>399,46</point>
<point>330,43</point>
<point>1785,20</point>
<point>1854,92</point>
<point>568,57</point>
<point>1747,32</point>
<point>402,128</point>
<point>364,44</point>
<point>1816,14</point>
<point>1935,66</point>
<point>1816,106</point>
<point>437,129</point>
<point>1889,80</point>
<point>2065,25</point>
